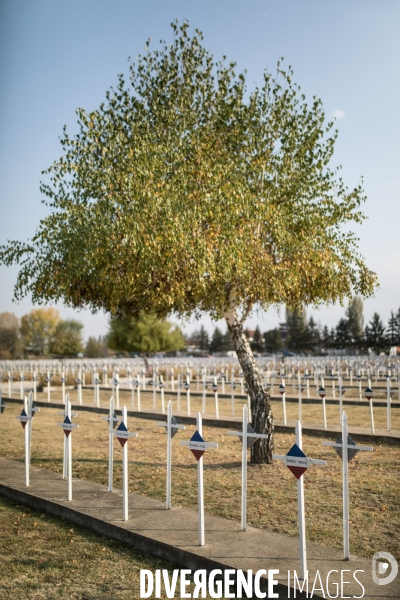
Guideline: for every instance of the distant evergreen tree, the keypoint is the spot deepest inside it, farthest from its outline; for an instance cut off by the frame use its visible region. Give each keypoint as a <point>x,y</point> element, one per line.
<point>343,337</point>
<point>257,345</point>
<point>217,341</point>
<point>375,334</point>
<point>298,336</point>
<point>393,330</point>
<point>273,341</point>
<point>227,340</point>
<point>96,348</point>
<point>355,318</point>
<point>314,334</point>
<point>201,338</point>
<point>326,337</point>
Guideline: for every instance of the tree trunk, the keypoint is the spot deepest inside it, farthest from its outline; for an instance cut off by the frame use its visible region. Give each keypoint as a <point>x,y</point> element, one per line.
<point>261,413</point>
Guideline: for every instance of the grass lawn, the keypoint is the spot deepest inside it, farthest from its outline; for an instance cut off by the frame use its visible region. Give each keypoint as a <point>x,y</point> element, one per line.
<point>312,413</point>
<point>272,491</point>
<point>47,558</point>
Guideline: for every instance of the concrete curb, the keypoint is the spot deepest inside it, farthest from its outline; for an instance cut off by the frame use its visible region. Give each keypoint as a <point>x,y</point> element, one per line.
<point>168,552</point>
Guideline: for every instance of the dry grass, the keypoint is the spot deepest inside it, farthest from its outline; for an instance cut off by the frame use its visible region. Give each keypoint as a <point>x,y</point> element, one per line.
<point>47,558</point>
<point>359,416</point>
<point>272,491</point>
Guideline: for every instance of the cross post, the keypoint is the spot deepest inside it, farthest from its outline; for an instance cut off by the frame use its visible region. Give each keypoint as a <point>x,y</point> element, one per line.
<point>172,428</point>
<point>248,437</point>
<point>346,449</point>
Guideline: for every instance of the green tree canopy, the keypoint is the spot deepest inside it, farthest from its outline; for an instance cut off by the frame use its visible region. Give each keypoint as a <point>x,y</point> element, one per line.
<point>38,328</point>
<point>144,334</point>
<point>9,335</point>
<point>67,338</point>
<point>96,347</point>
<point>185,191</point>
<point>354,314</point>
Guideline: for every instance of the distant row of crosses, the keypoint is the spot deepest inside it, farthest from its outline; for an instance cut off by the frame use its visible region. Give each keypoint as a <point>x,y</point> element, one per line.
<point>369,394</point>
<point>296,461</point>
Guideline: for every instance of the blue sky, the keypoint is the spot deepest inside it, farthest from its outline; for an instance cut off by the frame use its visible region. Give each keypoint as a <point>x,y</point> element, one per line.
<point>57,56</point>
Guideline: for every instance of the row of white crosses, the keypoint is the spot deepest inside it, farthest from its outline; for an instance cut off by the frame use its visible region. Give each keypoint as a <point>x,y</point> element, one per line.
<point>318,372</point>
<point>282,390</point>
<point>295,460</point>
<point>324,366</point>
<point>322,393</point>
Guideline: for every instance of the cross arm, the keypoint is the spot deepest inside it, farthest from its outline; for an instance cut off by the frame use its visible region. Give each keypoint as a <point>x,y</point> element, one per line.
<point>352,446</point>
<point>252,435</point>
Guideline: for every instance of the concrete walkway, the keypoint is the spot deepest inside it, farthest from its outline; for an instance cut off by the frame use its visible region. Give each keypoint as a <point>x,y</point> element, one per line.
<point>172,535</point>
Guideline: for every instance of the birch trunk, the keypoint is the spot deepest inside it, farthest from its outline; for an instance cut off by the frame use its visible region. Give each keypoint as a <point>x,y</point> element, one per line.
<point>261,412</point>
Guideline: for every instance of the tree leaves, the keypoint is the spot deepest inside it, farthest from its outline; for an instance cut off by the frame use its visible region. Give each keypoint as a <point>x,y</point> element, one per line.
<point>184,186</point>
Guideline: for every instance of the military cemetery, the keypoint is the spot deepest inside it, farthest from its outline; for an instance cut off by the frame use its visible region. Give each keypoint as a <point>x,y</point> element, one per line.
<point>198,395</point>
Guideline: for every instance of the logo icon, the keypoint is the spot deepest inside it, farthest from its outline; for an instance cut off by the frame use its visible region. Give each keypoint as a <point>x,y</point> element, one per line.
<point>380,568</point>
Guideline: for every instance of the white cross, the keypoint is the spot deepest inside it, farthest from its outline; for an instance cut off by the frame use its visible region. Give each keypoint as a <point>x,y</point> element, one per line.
<point>198,448</point>
<point>172,428</point>
<point>112,420</point>
<point>123,436</point>
<point>65,460</point>
<point>25,418</point>
<point>248,437</point>
<point>346,448</point>
<point>300,462</point>
<point>67,427</point>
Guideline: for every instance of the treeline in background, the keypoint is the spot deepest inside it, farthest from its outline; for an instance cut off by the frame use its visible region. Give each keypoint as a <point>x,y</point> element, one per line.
<point>42,333</point>
<point>300,335</point>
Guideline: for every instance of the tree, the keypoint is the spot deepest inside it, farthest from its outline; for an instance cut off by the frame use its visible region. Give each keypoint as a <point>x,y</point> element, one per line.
<point>375,334</point>
<point>393,330</point>
<point>343,337</point>
<point>298,336</point>
<point>273,341</point>
<point>314,334</point>
<point>38,328</point>
<point>144,334</point>
<point>96,348</point>
<point>354,314</point>
<point>9,335</point>
<point>217,341</point>
<point>67,338</point>
<point>326,337</point>
<point>201,338</point>
<point>257,345</point>
<point>186,192</point>
<point>227,340</point>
